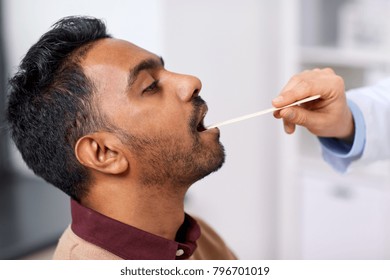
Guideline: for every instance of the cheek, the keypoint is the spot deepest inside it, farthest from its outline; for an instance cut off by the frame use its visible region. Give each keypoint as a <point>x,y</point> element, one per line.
<point>177,120</point>
<point>152,118</point>
<point>168,115</point>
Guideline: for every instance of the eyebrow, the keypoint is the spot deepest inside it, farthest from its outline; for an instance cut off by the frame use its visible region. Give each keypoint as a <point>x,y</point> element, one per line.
<point>151,63</point>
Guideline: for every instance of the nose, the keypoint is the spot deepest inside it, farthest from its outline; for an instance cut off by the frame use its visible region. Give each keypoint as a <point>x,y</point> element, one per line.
<point>188,87</point>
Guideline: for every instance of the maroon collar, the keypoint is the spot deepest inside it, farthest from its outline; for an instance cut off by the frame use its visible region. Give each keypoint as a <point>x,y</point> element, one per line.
<point>129,242</point>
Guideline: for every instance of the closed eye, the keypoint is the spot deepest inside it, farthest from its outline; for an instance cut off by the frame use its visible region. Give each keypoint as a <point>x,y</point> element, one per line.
<point>153,87</point>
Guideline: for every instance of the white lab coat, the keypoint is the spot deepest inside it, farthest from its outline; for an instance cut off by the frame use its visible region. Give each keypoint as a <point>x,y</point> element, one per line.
<point>371,110</point>
<point>374,103</point>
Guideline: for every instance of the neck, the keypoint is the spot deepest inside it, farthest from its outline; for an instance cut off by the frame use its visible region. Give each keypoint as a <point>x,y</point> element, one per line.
<point>155,209</point>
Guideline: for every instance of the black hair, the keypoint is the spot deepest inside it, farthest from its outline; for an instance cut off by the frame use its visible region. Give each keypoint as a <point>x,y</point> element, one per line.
<point>51,106</point>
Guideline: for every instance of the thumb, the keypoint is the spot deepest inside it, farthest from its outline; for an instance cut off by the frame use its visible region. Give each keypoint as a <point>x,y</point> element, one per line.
<point>296,115</point>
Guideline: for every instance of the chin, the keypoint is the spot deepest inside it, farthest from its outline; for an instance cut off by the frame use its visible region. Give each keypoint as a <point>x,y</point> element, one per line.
<point>212,161</point>
<point>220,157</point>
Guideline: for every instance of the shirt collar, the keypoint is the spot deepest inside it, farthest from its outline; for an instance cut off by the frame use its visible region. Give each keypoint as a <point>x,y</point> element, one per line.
<point>129,242</point>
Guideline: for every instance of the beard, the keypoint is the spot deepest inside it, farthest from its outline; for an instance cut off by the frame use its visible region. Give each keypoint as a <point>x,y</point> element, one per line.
<point>170,159</point>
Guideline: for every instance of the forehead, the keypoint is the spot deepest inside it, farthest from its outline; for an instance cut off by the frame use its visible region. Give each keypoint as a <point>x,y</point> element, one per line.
<point>115,52</point>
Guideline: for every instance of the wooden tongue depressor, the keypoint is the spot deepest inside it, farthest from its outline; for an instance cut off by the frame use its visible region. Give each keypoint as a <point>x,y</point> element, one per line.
<point>245,117</point>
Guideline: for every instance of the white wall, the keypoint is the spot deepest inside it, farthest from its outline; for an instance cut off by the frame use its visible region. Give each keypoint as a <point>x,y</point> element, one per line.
<point>135,20</point>
<point>233,47</point>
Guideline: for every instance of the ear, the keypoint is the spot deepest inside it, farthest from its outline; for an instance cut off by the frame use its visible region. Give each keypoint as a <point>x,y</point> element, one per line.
<point>102,151</point>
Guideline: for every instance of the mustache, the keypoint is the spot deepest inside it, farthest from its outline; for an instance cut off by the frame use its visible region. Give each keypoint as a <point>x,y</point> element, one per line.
<point>197,103</point>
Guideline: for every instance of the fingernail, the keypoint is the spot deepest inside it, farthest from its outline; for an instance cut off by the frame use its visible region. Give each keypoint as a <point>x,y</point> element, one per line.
<point>278,99</point>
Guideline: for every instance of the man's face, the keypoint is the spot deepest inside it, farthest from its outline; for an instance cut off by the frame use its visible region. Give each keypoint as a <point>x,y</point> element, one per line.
<point>157,114</point>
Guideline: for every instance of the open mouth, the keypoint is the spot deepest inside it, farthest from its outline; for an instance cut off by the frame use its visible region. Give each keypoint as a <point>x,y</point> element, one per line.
<point>200,127</point>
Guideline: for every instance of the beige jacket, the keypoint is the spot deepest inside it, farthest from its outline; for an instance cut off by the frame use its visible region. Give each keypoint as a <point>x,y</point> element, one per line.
<point>72,247</point>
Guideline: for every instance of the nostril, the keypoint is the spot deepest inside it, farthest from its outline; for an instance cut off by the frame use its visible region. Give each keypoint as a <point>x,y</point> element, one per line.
<point>195,93</point>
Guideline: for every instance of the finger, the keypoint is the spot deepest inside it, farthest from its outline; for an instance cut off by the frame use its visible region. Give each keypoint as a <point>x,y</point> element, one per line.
<point>308,83</point>
<point>289,128</point>
<point>286,95</point>
<point>277,114</point>
<point>298,115</point>
<point>298,88</point>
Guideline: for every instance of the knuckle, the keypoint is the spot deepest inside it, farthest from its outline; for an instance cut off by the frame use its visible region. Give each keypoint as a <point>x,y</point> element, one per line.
<point>305,85</point>
<point>296,78</point>
<point>300,81</point>
<point>339,82</point>
<point>328,70</point>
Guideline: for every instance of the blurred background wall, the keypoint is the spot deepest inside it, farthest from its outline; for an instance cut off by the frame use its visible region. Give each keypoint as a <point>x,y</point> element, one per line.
<point>263,201</point>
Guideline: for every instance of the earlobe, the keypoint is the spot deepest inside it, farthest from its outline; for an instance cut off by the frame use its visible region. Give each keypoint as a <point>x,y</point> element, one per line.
<point>100,151</point>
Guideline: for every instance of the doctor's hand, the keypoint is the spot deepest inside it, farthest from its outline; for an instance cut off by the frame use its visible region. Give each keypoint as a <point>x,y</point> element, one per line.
<point>328,116</point>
